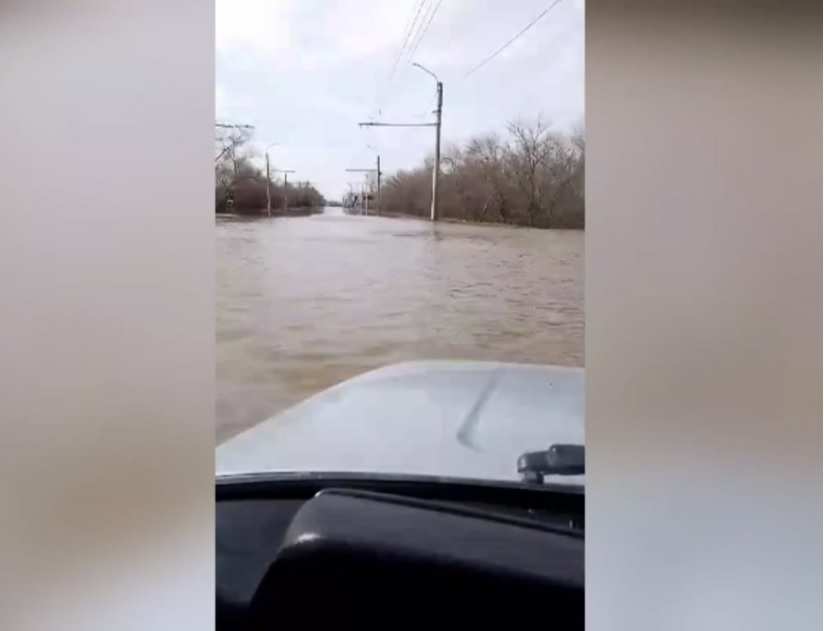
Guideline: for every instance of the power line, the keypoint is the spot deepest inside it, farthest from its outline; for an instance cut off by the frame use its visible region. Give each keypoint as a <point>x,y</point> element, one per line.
<point>233,126</point>
<point>409,29</point>
<point>425,29</point>
<point>521,32</point>
<point>410,26</point>
<point>417,30</point>
<point>417,37</point>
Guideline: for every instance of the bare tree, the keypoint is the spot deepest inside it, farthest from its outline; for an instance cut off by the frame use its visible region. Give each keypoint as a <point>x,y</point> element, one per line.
<point>486,157</point>
<point>535,178</point>
<point>531,149</point>
<point>230,140</point>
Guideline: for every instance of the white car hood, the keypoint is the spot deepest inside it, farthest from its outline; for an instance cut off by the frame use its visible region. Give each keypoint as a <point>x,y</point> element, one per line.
<point>441,418</point>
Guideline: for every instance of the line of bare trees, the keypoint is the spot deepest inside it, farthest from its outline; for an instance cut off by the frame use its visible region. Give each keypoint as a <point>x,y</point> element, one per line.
<point>532,177</point>
<point>240,185</point>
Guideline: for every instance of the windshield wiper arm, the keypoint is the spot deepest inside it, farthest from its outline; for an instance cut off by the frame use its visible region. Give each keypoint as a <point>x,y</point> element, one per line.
<point>557,460</point>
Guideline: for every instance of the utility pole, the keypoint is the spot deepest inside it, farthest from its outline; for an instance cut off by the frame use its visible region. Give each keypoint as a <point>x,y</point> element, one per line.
<point>268,181</point>
<point>379,183</point>
<point>285,188</point>
<point>377,171</point>
<point>436,168</point>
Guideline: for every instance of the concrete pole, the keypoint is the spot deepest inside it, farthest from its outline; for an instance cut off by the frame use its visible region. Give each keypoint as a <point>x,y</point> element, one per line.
<point>436,168</point>
<point>285,193</point>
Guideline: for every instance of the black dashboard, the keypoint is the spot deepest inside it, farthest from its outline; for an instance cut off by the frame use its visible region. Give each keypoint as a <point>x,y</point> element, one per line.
<point>366,551</point>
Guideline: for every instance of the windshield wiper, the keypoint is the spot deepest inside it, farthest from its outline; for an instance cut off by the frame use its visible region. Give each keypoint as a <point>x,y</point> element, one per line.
<point>557,460</point>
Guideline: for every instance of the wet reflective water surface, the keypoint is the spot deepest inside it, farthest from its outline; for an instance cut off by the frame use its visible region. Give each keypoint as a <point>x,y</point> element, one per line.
<point>306,302</point>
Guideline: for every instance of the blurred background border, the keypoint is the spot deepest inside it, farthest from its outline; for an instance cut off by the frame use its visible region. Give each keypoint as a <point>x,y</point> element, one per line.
<point>703,308</point>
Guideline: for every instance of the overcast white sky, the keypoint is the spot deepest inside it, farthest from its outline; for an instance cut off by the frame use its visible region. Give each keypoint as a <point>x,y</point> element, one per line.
<point>305,72</point>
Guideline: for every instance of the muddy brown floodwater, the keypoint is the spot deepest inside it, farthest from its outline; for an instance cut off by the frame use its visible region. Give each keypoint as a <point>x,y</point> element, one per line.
<point>306,302</point>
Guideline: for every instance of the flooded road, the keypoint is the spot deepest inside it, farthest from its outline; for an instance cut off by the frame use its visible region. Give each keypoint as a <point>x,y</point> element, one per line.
<point>306,302</point>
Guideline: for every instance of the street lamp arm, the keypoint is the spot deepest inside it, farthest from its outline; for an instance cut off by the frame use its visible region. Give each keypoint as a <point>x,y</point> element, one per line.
<point>426,70</point>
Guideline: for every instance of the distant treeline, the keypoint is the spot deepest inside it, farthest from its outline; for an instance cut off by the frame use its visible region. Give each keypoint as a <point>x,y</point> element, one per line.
<point>240,186</point>
<point>532,177</point>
